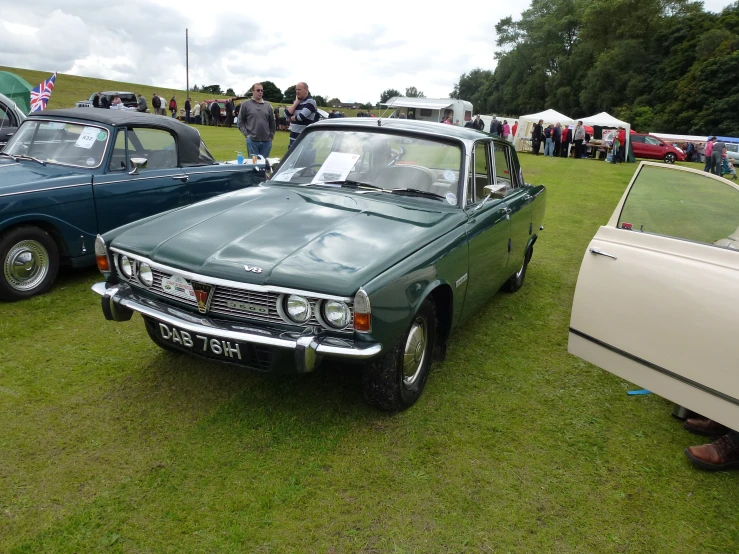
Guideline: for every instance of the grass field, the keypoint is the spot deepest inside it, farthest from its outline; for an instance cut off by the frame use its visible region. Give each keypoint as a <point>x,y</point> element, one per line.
<point>110,444</point>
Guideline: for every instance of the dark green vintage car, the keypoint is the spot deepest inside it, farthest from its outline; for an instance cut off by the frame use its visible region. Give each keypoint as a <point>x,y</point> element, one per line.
<point>373,240</point>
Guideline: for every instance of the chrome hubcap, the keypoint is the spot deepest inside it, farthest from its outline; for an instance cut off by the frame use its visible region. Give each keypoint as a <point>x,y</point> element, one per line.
<point>519,273</point>
<point>415,352</point>
<point>26,265</point>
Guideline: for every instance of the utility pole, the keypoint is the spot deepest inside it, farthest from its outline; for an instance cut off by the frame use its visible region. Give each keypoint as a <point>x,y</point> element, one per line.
<point>187,63</point>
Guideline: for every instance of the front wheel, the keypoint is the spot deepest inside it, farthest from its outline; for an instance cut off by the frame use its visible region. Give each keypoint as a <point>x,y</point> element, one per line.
<point>396,380</point>
<point>670,158</point>
<point>30,260</point>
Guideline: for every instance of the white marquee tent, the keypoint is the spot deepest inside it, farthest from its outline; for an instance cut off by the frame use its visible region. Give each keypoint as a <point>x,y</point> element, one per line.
<point>526,124</point>
<point>604,119</point>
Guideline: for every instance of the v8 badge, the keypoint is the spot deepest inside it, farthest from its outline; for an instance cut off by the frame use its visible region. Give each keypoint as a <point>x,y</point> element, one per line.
<point>253,269</point>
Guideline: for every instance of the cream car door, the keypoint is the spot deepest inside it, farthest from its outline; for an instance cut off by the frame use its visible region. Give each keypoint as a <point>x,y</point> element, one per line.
<point>657,297</point>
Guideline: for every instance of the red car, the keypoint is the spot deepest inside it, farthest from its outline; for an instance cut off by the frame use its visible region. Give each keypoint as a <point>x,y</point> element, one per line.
<point>653,148</point>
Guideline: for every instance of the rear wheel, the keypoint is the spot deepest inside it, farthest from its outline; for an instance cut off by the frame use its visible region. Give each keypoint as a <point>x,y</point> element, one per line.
<point>30,262</point>
<point>396,380</point>
<point>670,158</point>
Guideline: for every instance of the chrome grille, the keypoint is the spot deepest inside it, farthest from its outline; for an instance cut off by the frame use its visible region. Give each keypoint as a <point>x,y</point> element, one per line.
<point>223,295</point>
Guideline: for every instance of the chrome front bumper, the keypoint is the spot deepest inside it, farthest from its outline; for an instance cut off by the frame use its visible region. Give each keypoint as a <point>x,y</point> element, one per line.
<point>120,301</point>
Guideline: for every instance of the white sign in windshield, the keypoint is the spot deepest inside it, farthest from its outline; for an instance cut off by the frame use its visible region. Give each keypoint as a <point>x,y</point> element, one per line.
<point>87,137</point>
<point>336,167</point>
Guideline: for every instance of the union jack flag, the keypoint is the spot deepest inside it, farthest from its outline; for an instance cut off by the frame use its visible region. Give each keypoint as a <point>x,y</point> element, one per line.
<point>41,94</point>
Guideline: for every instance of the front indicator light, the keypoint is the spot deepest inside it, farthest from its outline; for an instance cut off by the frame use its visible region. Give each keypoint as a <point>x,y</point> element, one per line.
<point>101,254</point>
<point>362,312</point>
<point>336,314</point>
<point>145,275</point>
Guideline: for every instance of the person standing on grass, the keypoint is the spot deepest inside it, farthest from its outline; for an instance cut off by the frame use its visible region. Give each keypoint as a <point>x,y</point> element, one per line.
<point>256,122</point>
<point>707,151</point>
<point>536,136</point>
<point>156,103</point>
<point>717,155</point>
<point>302,113</point>
<point>557,138</point>
<point>173,106</point>
<point>215,113</point>
<point>196,113</point>
<point>229,113</point>
<point>141,106</point>
<point>578,136</point>
<point>188,109</point>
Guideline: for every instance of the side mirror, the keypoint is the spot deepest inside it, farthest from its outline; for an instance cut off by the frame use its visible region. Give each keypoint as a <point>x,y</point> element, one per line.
<point>138,163</point>
<point>494,191</point>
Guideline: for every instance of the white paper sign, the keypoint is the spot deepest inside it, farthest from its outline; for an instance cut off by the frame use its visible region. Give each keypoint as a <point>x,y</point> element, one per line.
<point>178,286</point>
<point>336,167</point>
<point>87,137</point>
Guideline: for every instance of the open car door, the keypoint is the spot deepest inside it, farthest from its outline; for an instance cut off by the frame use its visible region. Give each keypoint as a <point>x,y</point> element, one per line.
<point>657,297</point>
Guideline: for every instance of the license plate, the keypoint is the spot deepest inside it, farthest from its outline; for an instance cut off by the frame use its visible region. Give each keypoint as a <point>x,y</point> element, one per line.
<point>227,350</point>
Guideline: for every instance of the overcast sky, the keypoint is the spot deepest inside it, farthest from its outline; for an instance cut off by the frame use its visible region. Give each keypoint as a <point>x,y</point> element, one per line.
<point>348,50</point>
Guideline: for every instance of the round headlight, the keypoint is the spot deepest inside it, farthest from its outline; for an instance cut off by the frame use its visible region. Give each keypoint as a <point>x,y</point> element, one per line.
<point>336,314</point>
<point>145,274</point>
<point>297,308</point>
<point>125,265</point>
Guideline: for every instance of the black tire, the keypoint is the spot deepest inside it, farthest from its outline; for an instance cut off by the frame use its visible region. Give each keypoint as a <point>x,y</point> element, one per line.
<point>30,263</point>
<point>516,280</point>
<point>152,330</point>
<point>396,379</point>
<point>670,158</point>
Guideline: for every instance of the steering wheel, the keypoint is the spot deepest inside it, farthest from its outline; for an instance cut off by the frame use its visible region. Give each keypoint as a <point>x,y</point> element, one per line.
<point>304,171</point>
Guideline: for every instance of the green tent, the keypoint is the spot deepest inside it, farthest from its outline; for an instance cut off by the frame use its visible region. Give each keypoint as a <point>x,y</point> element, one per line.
<point>17,89</point>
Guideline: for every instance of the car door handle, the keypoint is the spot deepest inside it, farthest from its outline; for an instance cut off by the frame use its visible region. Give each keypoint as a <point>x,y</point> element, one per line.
<point>182,178</point>
<point>601,253</point>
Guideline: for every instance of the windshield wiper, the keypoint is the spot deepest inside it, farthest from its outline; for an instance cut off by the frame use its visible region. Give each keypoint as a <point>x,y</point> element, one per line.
<point>24,157</point>
<point>348,183</point>
<point>8,155</point>
<point>417,192</point>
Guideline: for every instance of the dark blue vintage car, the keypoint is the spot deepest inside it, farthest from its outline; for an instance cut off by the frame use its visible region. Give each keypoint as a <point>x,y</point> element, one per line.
<point>68,175</point>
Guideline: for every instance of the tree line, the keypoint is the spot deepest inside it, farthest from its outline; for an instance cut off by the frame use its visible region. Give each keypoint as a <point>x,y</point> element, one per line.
<point>665,65</point>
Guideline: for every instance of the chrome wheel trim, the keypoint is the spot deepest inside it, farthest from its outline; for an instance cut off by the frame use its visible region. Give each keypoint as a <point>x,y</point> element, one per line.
<point>26,265</point>
<point>519,273</point>
<point>414,353</point>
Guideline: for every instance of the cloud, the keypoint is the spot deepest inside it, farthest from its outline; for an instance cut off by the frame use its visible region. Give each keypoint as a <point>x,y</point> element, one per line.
<point>352,53</point>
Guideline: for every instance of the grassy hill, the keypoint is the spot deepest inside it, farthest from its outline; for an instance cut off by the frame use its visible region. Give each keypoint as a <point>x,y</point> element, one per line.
<point>71,88</point>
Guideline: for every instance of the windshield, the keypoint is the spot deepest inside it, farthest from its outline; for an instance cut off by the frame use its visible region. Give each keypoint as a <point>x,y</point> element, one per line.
<point>60,143</point>
<point>382,160</point>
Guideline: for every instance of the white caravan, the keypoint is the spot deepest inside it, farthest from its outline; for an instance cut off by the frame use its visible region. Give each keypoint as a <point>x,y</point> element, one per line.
<point>430,109</point>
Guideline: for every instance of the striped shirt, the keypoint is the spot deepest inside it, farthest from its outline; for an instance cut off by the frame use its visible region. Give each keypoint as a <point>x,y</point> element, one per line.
<point>305,114</point>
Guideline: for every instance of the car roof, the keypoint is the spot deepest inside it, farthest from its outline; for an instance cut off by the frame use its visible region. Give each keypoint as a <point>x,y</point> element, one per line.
<point>426,127</point>
<point>188,138</point>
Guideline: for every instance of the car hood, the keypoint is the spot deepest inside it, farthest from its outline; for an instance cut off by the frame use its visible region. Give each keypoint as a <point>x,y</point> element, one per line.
<point>305,238</point>
<point>27,176</point>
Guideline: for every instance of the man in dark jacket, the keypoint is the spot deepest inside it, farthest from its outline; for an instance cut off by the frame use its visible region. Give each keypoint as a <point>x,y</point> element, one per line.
<point>156,103</point>
<point>536,136</point>
<point>215,113</point>
<point>104,102</point>
<point>188,106</point>
<point>229,113</point>
<point>96,101</point>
